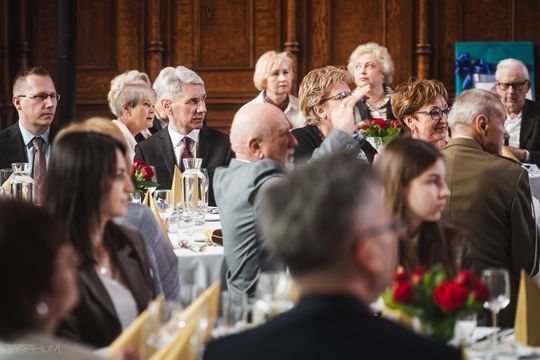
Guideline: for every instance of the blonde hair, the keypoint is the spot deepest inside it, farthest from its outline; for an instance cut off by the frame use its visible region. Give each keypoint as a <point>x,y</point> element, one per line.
<point>315,87</point>
<point>382,55</point>
<point>267,63</point>
<point>412,95</point>
<point>132,94</point>
<point>120,81</point>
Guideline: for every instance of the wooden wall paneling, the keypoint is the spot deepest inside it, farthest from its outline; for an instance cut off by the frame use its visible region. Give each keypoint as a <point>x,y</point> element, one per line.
<point>155,47</point>
<point>487,20</point>
<point>527,28</point>
<point>423,45</point>
<point>319,34</point>
<point>398,37</point>
<point>44,34</point>
<point>6,116</point>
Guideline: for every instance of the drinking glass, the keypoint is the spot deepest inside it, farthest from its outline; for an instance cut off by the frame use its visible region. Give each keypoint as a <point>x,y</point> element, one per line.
<point>186,223</point>
<point>464,329</point>
<point>163,323</point>
<point>498,283</point>
<point>5,174</point>
<point>376,142</point>
<point>135,197</point>
<point>272,295</point>
<point>164,204</point>
<point>154,179</point>
<point>234,309</point>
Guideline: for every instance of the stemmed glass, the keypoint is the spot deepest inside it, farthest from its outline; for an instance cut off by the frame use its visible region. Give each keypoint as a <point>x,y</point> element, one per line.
<point>498,283</point>
<point>154,179</point>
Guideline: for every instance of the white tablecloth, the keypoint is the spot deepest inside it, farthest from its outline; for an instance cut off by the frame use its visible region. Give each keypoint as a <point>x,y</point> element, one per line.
<point>199,268</point>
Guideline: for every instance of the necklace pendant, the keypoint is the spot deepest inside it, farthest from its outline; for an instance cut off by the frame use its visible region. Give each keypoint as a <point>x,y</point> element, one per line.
<point>103,270</point>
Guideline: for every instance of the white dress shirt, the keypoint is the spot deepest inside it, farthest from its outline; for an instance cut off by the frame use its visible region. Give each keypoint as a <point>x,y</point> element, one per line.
<point>30,150</point>
<point>178,145</point>
<point>513,127</point>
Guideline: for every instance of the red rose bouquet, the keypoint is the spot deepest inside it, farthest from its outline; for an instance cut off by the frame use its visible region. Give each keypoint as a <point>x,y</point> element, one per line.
<point>436,301</point>
<point>142,176</point>
<point>383,129</point>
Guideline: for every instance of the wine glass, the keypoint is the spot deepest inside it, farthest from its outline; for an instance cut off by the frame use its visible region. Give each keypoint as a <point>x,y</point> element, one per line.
<point>164,204</point>
<point>498,283</point>
<point>376,142</point>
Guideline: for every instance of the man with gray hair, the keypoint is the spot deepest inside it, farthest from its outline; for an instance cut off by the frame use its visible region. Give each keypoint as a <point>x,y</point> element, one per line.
<point>522,115</point>
<point>491,197</point>
<point>330,223</point>
<point>182,95</point>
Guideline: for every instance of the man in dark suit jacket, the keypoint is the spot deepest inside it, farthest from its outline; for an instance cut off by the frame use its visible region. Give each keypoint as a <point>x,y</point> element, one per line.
<point>181,94</point>
<point>522,115</point>
<point>35,98</point>
<point>490,195</point>
<point>332,227</point>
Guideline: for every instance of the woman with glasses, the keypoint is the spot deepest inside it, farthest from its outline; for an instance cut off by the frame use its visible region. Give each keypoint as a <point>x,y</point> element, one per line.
<point>273,78</point>
<point>413,173</point>
<point>321,93</point>
<point>373,70</point>
<point>421,107</point>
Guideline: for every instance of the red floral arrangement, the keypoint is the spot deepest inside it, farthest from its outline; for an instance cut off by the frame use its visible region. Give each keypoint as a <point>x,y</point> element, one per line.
<point>436,301</point>
<point>141,176</point>
<point>383,129</point>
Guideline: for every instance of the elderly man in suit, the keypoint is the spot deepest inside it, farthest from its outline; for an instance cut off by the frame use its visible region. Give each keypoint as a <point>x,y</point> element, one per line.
<point>264,147</point>
<point>29,140</point>
<point>491,197</point>
<point>334,230</point>
<point>522,115</point>
<point>182,95</point>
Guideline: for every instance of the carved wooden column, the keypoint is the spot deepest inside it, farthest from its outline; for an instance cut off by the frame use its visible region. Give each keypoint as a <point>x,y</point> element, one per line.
<point>423,47</point>
<point>155,48</point>
<point>291,44</point>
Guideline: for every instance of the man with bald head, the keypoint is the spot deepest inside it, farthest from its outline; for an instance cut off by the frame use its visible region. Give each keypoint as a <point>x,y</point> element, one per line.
<point>264,146</point>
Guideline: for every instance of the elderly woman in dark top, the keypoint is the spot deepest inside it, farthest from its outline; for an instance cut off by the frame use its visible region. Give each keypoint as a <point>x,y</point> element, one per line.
<point>87,186</point>
<point>373,71</point>
<point>413,173</point>
<point>321,92</point>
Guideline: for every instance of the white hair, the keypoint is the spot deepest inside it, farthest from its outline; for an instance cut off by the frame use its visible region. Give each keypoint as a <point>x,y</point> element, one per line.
<point>512,63</point>
<point>120,81</point>
<point>471,103</point>
<point>169,82</point>
<point>382,55</point>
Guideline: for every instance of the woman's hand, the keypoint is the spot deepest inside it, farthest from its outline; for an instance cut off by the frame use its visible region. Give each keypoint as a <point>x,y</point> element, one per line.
<point>342,116</point>
<point>363,91</point>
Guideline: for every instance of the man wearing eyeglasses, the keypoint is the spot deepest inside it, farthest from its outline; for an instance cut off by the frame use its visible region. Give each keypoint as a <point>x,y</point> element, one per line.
<point>522,115</point>
<point>29,140</point>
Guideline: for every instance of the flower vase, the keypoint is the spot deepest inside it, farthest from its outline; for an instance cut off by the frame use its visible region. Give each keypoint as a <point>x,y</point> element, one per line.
<point>442,330</point>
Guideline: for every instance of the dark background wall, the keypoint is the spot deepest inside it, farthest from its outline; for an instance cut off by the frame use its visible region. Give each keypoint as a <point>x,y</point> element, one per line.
<point>222,39</point>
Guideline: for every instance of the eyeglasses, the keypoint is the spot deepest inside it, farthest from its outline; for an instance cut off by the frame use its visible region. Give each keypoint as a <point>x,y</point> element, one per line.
<point>516,86</point>
<point>42,97</point>
<point>436,114</point>
<point>342,95</point>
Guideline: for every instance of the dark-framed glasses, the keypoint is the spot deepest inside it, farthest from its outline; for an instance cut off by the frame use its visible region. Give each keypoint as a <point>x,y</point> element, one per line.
<point>42,97</point>
<point>396,226</point>
<point>342,95</point>
<point>516,85</point>
<point>436,114</point>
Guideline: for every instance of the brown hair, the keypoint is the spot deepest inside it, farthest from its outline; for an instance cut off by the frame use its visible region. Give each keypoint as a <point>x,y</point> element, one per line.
<point>315,87</point>
<point>412,95</point>
<point>21,76</point>
<point>403,160</point>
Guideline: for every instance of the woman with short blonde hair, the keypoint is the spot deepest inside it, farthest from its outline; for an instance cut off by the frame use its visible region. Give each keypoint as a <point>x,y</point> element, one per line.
<point>273,77</point>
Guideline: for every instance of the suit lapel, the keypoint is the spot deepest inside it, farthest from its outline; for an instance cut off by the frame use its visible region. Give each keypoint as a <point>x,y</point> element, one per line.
<point>16,147</point>
<point>205,143</point>
<point>527,124</point>
<point>167,152</point>
<point>96,288</point>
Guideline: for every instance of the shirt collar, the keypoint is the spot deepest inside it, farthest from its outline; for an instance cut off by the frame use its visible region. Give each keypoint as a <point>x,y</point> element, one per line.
<point>28,136</point>
<point>176,137</point>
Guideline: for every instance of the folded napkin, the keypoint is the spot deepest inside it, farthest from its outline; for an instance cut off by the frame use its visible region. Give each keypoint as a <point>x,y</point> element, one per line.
<point>214,236</point>
<point>527,325</point>
<point>6,186</point>
<point>132,336</point>
<point>176,188</point>
<point>155,211</point>
<point>508,154</point>
<point>147,196</point>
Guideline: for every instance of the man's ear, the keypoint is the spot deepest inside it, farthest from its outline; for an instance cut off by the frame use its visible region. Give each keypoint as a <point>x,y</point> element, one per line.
<point>481,123</point>
<point>255,147</point>
<point>16,102</point>
<point>166,104</point>
<point>364,255</point>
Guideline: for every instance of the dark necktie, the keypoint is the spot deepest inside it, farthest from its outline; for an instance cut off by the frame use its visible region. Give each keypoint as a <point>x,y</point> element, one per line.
<point>186,154</point>
<point>39,168</point>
